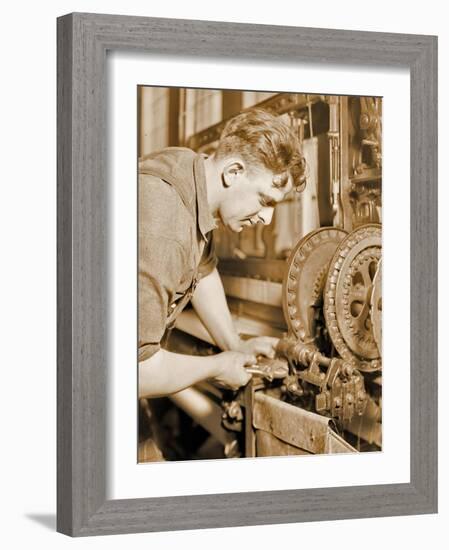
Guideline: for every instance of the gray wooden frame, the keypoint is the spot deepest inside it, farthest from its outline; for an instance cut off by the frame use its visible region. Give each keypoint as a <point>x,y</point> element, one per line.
<point>83,40</point>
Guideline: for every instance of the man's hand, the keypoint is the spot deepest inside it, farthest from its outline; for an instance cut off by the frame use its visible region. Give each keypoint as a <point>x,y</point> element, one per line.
<point>231,368</point>
<point>260,345</point>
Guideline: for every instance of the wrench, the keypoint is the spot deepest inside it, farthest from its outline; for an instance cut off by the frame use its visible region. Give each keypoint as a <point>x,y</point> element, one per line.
<point>271,369</point>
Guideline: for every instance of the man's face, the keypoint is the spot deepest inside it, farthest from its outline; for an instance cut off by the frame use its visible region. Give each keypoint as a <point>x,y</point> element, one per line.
<point>249,197</point>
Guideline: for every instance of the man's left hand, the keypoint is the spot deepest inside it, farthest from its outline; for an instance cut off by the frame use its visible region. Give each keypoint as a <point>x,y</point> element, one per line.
<point>260,345</point>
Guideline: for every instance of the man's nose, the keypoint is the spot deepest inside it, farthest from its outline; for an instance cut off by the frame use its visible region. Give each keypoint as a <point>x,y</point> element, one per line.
<point>266,215</point>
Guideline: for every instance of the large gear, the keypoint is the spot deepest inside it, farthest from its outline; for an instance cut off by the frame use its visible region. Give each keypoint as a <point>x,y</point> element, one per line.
<point>376,307</point>
<point>304,281</point>
<point>347,297</point>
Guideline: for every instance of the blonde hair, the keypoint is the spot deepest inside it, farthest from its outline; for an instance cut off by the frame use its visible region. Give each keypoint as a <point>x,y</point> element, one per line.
<point>264,140</point>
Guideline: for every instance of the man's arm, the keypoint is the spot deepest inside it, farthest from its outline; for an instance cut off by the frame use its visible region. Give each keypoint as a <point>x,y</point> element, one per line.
<point>165,372</point>
<point>162,261</point>
<point>212,308</point>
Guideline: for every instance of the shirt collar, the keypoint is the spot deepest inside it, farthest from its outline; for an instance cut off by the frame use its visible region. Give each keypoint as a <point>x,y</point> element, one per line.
<point>206,221</point>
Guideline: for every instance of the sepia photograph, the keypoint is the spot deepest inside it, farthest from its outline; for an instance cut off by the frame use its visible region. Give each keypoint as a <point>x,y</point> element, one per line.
<point>259,274</point>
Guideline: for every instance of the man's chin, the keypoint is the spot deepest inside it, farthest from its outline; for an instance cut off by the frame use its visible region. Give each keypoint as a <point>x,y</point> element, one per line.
<point>236,227</point>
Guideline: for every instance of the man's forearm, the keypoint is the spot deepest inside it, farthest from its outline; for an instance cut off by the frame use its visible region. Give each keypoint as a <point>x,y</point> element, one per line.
<point>212,308</point>
<point>165,372</point>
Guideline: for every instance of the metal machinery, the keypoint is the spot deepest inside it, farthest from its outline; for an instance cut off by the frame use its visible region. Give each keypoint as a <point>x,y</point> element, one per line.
<point>322,296</point>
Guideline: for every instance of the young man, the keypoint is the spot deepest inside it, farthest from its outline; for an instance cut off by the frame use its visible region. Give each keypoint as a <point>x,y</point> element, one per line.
<point>181,195</point>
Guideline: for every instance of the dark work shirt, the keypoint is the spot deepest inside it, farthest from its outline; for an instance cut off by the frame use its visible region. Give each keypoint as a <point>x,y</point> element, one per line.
<point>175,239</point>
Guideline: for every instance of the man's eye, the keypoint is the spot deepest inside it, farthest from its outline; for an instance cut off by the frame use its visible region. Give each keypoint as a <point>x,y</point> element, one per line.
<point>266,202</point>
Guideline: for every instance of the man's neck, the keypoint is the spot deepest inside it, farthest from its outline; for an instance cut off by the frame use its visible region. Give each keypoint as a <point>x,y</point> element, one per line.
<point>213,184</point>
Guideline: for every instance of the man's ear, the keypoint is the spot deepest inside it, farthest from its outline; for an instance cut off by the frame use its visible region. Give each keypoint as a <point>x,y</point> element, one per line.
<point>232,171</point>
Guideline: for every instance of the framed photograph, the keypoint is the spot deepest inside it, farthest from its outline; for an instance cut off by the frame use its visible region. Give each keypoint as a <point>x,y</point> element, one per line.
<point>246,233</point>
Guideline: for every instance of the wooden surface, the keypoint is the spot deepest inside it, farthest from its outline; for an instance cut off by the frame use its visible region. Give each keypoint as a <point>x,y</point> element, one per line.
<point>83,40</point>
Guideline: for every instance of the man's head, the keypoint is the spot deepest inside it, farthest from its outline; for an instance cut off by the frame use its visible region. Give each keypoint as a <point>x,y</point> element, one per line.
<point>260,161</point>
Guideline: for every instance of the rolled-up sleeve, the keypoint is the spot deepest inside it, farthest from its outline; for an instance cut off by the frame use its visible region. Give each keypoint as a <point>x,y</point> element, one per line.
<point>161,263</point>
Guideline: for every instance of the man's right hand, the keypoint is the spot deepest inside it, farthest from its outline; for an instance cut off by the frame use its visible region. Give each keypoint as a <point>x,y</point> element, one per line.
<point>231,370</point>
